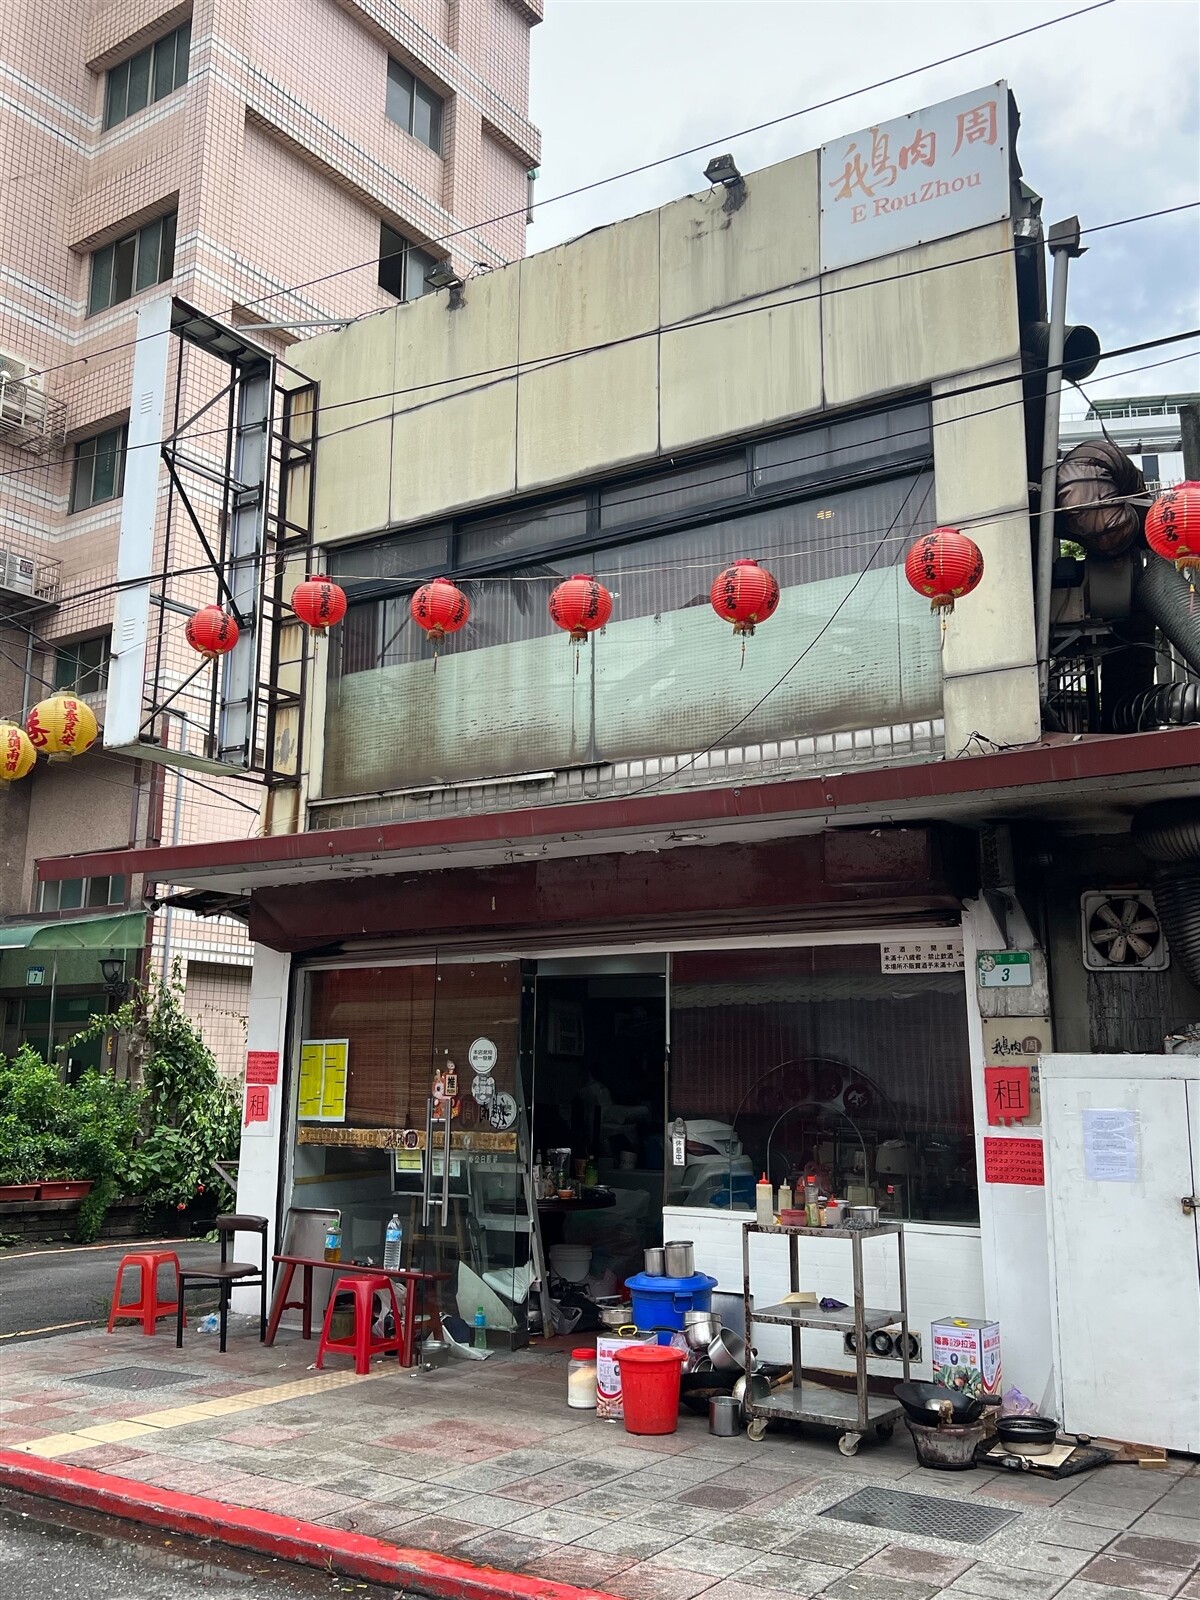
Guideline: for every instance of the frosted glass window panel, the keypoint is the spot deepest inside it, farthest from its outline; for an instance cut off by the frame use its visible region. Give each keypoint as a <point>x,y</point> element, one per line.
<point>665,676</point>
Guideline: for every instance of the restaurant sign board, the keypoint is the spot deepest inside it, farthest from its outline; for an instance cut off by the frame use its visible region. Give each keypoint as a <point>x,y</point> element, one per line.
<point>925,176</point>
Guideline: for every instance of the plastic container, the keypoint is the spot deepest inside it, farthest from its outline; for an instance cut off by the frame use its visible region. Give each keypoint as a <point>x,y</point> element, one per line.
<point>571,1261</point>
<point>333,1242</point>
<point>650,1376</point>
<point>661,1302</point>
<point>479,1339</point>
<point>581,1380</point>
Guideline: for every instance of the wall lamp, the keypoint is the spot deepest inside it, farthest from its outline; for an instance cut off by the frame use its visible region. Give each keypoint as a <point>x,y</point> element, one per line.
<point>724,169</point>
<point>443,276</point>
<point>113,970</point>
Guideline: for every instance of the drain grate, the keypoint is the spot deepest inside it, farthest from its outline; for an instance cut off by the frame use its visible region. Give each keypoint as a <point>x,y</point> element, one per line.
<point>136,1378</point>
<point>921,1513</point>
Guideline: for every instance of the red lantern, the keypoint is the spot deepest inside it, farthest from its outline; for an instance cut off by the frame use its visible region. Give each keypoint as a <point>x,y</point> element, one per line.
<point>319,603</point>
<point>211,633</point>
<point>745,594</point>
<point>580,605</point>
<point>943,566</point>
<point>1173,526</point>
<point>440,608</point>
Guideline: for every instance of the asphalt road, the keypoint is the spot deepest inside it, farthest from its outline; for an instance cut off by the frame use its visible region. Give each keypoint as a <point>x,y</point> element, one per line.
<point>48,1291</point>
<point>51,1552</point>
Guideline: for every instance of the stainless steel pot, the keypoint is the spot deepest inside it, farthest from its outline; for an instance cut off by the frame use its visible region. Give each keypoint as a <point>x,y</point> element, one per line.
<point>729,1352</point>
<point>434,1353</point>
<point>618,1316</point>
<point>680,1258</point>
<point>700,1328</point>
<point>655,1265</point>
<point>748,1391</point>
<point>863,1217</point>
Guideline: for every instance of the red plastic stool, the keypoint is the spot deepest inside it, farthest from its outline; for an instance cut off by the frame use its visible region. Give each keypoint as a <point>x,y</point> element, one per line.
<point>149,1308</point>
<point>361,1344</point>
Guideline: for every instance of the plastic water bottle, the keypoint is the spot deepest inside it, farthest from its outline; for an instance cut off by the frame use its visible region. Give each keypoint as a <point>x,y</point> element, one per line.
<point>480,1339</point>
<point>392,1241</point>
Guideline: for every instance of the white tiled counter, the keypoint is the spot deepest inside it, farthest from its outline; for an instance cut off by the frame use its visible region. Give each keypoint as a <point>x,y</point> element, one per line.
<point>945,1277</point>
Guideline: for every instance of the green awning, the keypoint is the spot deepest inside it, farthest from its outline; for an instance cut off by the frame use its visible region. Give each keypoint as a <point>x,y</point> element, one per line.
<point>126,932</point>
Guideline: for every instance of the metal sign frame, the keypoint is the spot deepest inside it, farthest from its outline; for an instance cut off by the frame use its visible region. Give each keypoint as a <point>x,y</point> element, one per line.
<point>246,511</point>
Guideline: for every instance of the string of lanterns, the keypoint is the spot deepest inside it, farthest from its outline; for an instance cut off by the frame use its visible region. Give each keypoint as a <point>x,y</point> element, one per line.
<point>943,566</point>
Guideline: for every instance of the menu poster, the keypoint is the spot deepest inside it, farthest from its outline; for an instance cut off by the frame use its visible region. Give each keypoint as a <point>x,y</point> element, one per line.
<point>1014,1161</point>
<point>324,1070</point>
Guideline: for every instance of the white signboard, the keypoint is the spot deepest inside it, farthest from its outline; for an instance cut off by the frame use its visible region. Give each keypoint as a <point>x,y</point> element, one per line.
<point>483,1056</point>
<point>925,176</point>
<point>922,955</point>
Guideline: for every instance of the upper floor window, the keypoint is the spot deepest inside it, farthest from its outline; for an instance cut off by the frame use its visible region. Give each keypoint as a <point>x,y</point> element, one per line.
<point>414,106</point>
<point>82,667</point>
<point>150,75</point>
<point>98,472</point>
<point>402,266</point>
<point>74,894</point>
<point>136,262</point>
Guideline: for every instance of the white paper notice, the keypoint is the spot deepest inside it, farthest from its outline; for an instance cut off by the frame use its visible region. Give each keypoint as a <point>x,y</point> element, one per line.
<point>1110,1146</point>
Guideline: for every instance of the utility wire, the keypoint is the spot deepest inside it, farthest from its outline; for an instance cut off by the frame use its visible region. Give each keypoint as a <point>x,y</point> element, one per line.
<point>514,368</point>
<point>118,585</point>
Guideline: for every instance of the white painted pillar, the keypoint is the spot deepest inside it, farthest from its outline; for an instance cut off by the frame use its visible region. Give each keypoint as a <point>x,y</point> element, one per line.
<point>1012,1217</point>
<point>261,1151</point>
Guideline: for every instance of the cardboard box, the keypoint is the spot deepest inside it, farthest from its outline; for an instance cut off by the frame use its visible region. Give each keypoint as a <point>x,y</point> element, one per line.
<point>965,1355</point>
<point>608,1378</point>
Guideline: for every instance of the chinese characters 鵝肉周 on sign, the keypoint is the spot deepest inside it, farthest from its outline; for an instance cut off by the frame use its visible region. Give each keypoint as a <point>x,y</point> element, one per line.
<point>925,176</point>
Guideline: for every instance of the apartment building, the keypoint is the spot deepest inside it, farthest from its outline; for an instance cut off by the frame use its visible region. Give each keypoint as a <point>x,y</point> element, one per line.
<point>281,168</point>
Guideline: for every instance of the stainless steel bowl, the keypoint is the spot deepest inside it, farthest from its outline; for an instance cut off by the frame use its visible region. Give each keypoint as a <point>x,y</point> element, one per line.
<point>729,1352</point>
<point>700,1328</point>
<point>619,1316</point>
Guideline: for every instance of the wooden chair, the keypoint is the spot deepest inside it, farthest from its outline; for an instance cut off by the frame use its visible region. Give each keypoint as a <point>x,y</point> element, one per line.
<point>223,1274</point>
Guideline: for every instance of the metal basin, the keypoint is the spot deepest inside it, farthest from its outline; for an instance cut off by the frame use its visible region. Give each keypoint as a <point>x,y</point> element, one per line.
<point>729,1352</point>
<point>700,1328</point>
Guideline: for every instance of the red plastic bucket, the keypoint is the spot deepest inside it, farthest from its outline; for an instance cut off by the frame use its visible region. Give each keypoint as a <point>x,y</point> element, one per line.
<point>650,1387</point>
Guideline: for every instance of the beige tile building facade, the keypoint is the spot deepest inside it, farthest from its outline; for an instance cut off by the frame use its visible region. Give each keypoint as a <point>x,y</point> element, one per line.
<point>271,165</point>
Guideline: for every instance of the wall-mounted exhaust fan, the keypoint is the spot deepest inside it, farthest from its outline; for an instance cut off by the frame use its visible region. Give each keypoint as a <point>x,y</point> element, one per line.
<point>1122,932</point>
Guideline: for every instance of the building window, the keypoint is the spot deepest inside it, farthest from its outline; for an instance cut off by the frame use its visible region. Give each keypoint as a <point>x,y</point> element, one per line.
<point>78,894</point>
<point>414,106</point>
<point>149,76</point>
<point>136,262</point>
<point>82,667</point>
<point>402,266</point>
<point>99,469</point>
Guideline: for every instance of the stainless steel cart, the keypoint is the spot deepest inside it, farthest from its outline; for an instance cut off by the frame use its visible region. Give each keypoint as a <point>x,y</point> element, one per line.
<point>855,1414</point>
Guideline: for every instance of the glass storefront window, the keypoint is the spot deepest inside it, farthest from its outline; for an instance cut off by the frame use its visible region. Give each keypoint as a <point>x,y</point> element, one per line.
<point>390,1038</point>
<point>813,1061</point>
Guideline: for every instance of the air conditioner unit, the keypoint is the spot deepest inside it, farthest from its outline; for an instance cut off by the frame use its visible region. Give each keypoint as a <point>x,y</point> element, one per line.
<point>28,417</point>
<point>17,572</point>
<point>1121,931</point>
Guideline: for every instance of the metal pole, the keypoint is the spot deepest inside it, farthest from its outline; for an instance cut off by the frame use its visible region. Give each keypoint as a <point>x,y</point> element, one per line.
<point>1063,243</point>
<point>50,1026</point>
<point>1189,428</point>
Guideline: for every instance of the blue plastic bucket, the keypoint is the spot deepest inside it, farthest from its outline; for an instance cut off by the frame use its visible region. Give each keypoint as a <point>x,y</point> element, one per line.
<point>661,1302</point>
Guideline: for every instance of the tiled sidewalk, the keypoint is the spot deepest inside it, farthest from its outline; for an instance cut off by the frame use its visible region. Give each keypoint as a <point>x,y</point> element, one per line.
<point>485,1462</point>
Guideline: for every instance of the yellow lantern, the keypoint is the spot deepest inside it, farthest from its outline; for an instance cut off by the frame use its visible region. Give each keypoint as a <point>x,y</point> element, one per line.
<point>17,755</point>
<point>62,726</point>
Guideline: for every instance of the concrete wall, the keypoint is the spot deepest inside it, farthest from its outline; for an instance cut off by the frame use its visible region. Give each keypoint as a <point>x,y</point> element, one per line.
<point>674,330</point>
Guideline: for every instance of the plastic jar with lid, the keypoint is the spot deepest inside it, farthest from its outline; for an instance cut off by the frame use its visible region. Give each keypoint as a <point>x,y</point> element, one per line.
<point>581,1380</point>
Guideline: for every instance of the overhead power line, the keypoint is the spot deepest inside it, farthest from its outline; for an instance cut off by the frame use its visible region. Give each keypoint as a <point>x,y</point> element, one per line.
<point>648,166</point>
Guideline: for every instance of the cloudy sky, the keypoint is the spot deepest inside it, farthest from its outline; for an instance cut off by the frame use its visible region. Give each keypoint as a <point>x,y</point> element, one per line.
<point>1109,107</point>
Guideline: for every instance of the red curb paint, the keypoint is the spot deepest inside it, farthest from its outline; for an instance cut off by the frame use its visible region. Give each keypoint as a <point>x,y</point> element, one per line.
<point>310,1544</point>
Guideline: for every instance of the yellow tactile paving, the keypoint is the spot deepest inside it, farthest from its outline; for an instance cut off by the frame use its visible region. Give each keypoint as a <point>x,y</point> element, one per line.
<point>114,1432</point>
<point>61,1444</point>
<point>57,1444</point>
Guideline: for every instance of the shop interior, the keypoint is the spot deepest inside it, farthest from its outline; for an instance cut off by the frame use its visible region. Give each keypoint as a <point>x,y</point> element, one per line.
<point>803,1062</point>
